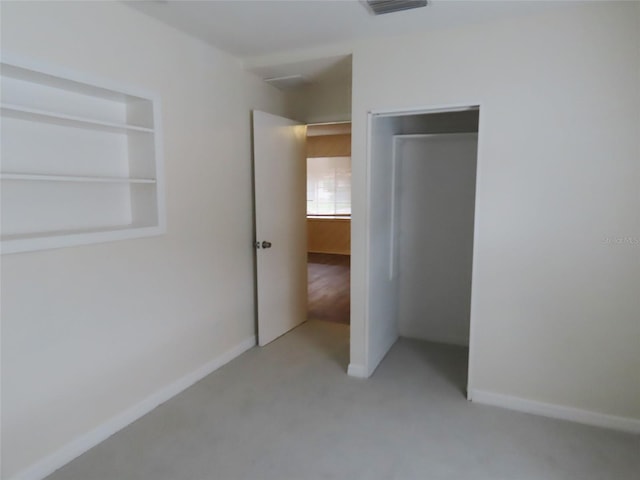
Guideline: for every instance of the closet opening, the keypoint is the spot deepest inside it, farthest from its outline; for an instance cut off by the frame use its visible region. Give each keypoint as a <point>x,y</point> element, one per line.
<point>423,194</point>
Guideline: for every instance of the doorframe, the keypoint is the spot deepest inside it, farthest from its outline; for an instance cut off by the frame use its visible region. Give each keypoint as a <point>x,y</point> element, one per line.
<point>355,370</point>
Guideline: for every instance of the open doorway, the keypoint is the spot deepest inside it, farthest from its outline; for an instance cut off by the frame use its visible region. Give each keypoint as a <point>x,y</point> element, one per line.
<point>316,94</point>
<point>329,221</point>
<point>421,232</point>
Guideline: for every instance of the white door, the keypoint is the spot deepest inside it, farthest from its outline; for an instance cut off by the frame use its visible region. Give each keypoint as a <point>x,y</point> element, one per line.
<point>281,233</point>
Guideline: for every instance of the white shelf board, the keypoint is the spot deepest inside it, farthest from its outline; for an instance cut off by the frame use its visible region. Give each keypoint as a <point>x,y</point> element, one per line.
<point>64,119</point>
<point>69,238</point>
<point>72,178</point>
<point>57,77</point>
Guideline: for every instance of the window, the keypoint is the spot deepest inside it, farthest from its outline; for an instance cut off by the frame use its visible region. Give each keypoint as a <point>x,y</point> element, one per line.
<point>329,186</point>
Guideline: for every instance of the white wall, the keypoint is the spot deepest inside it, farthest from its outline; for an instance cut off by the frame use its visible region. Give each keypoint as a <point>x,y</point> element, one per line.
<point>324,101</point>
<point>435,195</point>
<point>88,332</point>
<point>555,306</point>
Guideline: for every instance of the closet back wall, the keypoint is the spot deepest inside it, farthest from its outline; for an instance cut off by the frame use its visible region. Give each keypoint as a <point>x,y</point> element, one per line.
<point>91,332</point>
<point>436,177</point>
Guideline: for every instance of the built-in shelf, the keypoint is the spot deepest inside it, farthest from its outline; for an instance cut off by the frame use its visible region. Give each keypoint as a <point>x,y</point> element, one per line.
<point>35,114</point>
<point>68,180</point>
<point>37,236</point>
<point>72,178</point>
<point>70,238</point>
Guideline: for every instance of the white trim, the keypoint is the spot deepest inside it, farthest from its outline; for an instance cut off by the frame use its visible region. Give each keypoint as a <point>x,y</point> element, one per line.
<point>357,371</point>
<point>475,254</point>
<point>367,245</point>
<point>159,150</point>
<point>393,247</point>
<point>587,417</point>
<point>81,444</point>
<point>397,112</point>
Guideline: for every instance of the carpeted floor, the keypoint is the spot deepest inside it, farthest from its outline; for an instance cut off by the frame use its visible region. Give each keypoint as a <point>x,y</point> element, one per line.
<point>288,411</point>
<point>329,283</point>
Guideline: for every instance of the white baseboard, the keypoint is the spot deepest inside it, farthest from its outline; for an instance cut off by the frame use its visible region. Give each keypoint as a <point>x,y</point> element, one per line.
<point>456,342</point>
<point>625,424</point>
<point>81,444</point>
<point>363,371</point>
<point>357,371</point>
<point>377,355</point>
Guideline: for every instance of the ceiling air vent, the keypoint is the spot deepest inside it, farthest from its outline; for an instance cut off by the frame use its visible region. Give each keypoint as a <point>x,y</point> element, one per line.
<point>380,7</point>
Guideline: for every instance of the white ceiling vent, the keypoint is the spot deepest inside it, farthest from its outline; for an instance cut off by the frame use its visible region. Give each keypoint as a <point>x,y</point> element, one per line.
<point>288,82</point>
<point>380,7</point>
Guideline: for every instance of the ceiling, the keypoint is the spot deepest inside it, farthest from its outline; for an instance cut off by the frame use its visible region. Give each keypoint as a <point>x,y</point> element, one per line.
<point>329,69</point>
<point>260,31</point>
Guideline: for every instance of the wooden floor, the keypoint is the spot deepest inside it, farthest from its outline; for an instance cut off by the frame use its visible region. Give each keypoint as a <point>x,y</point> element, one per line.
<point>329,281</point>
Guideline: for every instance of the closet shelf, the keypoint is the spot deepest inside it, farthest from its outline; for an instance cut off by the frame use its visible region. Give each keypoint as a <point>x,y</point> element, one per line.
<point>34,114</point>
<point>72,178</point>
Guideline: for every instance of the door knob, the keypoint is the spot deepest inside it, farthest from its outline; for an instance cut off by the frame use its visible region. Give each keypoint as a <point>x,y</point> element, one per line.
<point>266,244</point>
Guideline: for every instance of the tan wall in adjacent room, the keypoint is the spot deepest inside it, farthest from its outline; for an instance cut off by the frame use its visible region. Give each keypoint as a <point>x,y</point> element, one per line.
<point>329,235</point>
<point>329,146</point>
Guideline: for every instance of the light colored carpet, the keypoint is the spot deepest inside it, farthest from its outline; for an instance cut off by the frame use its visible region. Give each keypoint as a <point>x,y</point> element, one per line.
<point>288,411</point>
